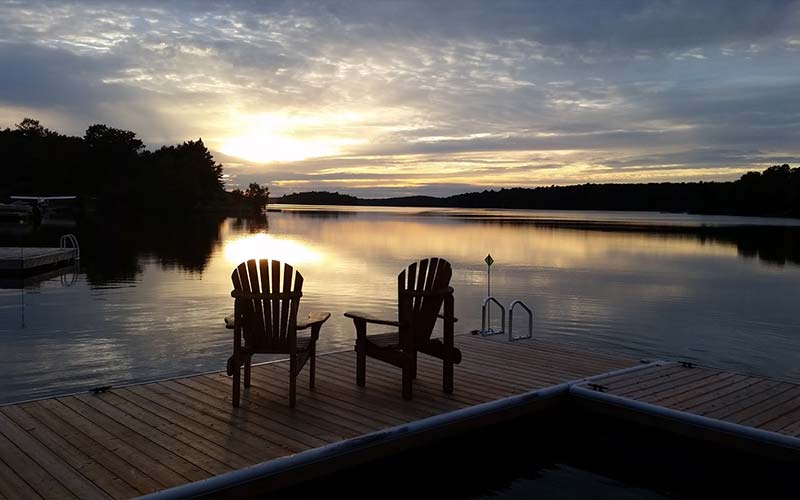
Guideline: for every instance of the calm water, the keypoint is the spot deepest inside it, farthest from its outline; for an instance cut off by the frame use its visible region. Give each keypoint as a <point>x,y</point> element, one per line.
<point>149,297</point>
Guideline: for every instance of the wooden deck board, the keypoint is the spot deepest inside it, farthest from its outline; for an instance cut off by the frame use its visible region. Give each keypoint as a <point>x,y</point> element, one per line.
<point>105,478</point>
<point>756,402</point>
<point>27,258</point>
<point>147,437</point>
<point>117,465</point>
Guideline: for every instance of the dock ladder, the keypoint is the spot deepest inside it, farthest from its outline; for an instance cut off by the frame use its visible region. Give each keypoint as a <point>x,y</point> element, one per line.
<point>486,327</point>
<point>70,241</point>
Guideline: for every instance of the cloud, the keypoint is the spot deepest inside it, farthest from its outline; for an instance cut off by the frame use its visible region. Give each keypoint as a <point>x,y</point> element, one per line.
<point>424,95</point>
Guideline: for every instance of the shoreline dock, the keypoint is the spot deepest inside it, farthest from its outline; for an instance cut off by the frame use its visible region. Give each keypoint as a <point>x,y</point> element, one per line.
<point>26,260</point>
<point>181,436</point>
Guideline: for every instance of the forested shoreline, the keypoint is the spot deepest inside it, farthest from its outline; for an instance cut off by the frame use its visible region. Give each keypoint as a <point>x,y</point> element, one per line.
<point>775,192</point>
<point>111,169</point>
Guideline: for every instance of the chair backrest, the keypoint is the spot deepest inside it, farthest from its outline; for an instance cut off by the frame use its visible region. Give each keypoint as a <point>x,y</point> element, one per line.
<point>421,290</point>
<point>267,298</point>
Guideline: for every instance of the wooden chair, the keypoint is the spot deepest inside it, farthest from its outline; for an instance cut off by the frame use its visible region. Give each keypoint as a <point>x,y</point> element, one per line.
<point>265,317</point>
<point>422,291</point>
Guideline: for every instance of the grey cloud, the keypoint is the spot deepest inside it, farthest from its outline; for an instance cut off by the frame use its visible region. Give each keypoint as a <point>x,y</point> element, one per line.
<point>39,77</point>
<point>621,83</point>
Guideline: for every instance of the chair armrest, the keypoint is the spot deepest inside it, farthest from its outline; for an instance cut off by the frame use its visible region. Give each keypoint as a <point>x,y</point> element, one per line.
<point>368,318</point>
<point>313,319</point>
<point>455,320</point>
<point>229,322</point>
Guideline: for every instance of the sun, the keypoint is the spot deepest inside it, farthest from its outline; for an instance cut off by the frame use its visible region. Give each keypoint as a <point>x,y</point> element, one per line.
<point>267,148</point>
<point>267,138</point>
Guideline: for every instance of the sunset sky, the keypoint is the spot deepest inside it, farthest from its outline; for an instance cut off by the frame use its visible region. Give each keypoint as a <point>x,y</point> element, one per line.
<point>439,97</point>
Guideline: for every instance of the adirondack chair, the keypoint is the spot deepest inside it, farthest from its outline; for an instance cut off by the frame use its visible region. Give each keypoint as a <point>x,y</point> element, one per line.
<point>422,291</point>
<point>265,317</point>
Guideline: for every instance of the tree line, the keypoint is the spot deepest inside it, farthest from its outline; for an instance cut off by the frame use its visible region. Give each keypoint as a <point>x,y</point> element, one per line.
<point>773,192</point>
<point>113,168</point>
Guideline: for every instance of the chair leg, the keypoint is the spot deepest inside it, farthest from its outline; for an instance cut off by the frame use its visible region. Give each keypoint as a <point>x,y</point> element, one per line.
<point>312,374</point>
<point>414,367</point>
<point>292,382</point>
<point>407,382</point>
<point>447,376</point>
<point>247,364</point>
<point>361,366</point>
<point>449,350</point>
<point>236,383</point>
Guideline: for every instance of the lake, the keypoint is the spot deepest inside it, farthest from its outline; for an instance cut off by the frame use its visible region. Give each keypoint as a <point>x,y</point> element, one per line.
<point>148,298</point>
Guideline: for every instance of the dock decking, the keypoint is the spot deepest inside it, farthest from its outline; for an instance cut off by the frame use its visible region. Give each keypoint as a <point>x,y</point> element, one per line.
<point>140,439</point>
<point>25,259</point>
<point>145,438</point>
<point>756,402</point>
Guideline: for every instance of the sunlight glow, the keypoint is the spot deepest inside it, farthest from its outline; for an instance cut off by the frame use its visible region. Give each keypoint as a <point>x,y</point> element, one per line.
<point>265,246</point>
<point>283,138</point>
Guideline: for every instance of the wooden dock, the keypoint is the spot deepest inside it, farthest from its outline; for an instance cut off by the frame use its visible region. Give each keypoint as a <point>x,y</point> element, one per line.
<point>145,438</point>
<point>29,259</point>
<point>756,402</point>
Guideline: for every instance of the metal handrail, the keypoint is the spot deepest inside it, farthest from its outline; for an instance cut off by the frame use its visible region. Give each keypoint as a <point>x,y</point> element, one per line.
<point>511,307</point>
<point>70,241</point>
<point>487,330</point>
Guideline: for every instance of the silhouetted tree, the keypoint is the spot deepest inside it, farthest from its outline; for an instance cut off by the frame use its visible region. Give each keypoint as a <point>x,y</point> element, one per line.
<point>252,199</point>
<point>32,128</point>
<point>110,165</point>
<point>257,193</point>
<point>187,175</point>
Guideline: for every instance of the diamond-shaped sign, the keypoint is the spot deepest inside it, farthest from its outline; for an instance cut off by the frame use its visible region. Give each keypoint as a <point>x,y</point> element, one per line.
<point>489,260</point>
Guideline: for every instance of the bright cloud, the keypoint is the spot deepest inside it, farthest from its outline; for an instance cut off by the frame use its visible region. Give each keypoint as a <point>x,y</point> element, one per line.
<point>386,98</point>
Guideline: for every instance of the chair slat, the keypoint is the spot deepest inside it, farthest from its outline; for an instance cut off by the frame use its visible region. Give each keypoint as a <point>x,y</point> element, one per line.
<point>427,304</point>
<point>288,271</point>
<point>423,271</point>
<point>263,266</point>
<point>245,306</point>
<point>276,305</point>
<point>257,318</point>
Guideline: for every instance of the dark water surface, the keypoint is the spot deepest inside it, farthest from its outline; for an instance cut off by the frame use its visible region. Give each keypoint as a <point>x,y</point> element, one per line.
<point>148,299</point>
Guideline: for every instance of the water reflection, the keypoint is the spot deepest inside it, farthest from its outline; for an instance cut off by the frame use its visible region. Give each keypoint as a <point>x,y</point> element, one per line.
<point>150,296</point>
<point>265,246</point>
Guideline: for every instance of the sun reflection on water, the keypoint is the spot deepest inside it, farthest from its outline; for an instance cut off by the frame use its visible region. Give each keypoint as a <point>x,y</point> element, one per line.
<point>265,246</point>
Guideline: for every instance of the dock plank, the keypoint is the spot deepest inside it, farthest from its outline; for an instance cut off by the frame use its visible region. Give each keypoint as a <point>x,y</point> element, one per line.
<point>31,472</point>
<point>127,450</point>
<point>14,487</point>
<point>148,437</point>
<point>117,465</point>
<point>103,477</point>
<point>64,472</point>
<point>756,402</point>
<point>773,400</point>
<point>29,258</point>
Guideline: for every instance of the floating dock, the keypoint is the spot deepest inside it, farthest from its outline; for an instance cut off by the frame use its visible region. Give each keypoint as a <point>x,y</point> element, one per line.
<point>33,259</point>
<point>181,437</point>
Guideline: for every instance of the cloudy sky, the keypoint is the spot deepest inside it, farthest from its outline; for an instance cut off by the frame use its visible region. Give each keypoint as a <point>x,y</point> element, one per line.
<point>381,98</point>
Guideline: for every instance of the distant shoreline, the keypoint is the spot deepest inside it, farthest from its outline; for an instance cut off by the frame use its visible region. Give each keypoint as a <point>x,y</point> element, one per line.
<point>775,192</point>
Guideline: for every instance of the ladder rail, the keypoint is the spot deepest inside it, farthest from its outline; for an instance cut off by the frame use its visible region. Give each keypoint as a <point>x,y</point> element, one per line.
<point>70,241</point>
<point>511,336</point>
<point>486,329</point>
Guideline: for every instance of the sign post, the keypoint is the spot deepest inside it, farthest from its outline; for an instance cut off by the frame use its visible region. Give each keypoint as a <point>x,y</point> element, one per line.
<point>489,261</point>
